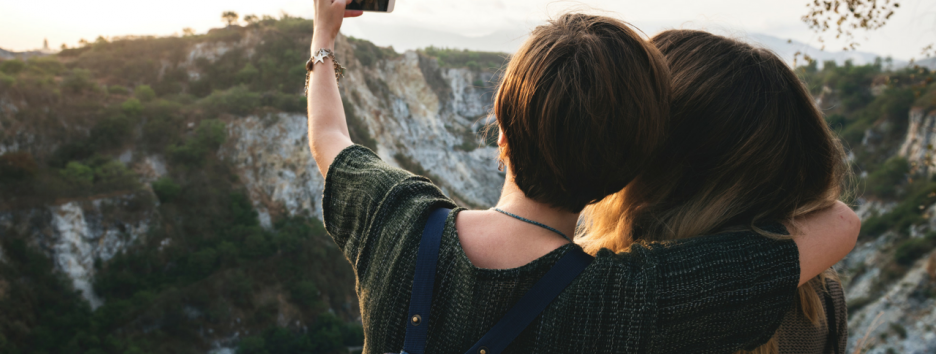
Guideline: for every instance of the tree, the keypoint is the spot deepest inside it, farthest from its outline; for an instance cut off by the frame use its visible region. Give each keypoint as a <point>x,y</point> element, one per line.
<point>251,19</point>
<point>847,17</point>
<point>188,32</point>
<point>229,17</point>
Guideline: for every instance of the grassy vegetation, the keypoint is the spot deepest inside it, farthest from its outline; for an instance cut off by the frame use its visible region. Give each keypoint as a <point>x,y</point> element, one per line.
<point>368,53</point>
<point>463,58</point>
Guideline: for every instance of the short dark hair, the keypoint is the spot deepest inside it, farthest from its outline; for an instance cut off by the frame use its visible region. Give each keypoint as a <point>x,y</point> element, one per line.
<point>583,105</point>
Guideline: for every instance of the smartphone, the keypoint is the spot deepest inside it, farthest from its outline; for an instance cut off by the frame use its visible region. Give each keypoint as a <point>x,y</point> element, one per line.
<point>371,5</point>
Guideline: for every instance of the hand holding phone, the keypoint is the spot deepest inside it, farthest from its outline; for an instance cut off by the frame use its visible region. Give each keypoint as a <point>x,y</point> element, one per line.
<point>371,5</point>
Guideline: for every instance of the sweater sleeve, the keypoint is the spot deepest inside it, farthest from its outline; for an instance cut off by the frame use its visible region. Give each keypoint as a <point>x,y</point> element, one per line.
<point>358,181</point>
<point>721,293</point>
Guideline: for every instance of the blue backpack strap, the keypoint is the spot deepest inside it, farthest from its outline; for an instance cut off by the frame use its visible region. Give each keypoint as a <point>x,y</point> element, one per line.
<point>417,323</point>
<point>533,303</point>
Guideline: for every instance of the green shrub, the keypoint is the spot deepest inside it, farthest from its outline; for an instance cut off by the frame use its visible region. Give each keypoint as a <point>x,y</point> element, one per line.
<point>360,134</point>
<point>900,330</point>
<point>12,67</point>
<point>158,131</point>
<point>368,53</point>
<point>17,166</point>
<point>79,80</point>
<point>7,80</point>
<point>74,151</point>
<point>117,90</point>
<point>295,25</point>
<point>857,303</point>
<point>227,253</point>
<point>908,212</point>
<point>237,100</point>
<point>211,133</point>
<point>230,34</point>
<point>240,288</point>
<point>465,58</point>
<point>306,294</point>
<point>327,334</point>
<point>208,137</point>
<point>256,245</point>
<point>132,107</point>
<point>252,345</point>
<point>111,132</point>
<point>285,102</point>
<point>203,262</point>
<point>79,175</point>
<point>909,251</point>
<point>114,175</point>
<point>200,88</point>
<point>144,93</point>
<point>884,180</point>
<point>166,189</point>
<point>45,66</point>
<point>247,74</point>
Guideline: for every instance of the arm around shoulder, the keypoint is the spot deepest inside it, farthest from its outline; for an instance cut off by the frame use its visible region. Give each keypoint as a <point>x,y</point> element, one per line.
<point>824,238</point>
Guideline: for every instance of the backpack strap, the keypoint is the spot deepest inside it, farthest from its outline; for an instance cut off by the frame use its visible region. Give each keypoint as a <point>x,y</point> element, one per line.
<point>517,318</point>
<point>417,323</point>
<point>533,302</point>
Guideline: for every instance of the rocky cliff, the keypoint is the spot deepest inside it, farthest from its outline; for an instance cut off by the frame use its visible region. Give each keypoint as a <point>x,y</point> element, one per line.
<point>413,111</point>
<point>890,276</point>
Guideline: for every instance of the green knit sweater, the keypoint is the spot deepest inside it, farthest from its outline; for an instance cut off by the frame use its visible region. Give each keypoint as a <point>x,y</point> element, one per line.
<point>712,294</point>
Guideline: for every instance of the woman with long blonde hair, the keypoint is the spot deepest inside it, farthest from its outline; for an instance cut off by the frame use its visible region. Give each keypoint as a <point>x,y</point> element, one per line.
<point>747,149</point>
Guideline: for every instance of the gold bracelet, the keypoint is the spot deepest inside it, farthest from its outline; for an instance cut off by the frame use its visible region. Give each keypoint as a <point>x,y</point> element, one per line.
<point>319,57</point>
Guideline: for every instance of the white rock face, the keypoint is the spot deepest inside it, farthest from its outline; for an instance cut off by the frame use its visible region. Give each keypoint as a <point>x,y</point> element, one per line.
<point>81,236</point>
<point>904,306</point>
<point>920,144</point>
<point>869,208</point>
<point>75,234</point>
<point>409,119</point>
<point>429,115</point>
<point>273,159</point>
<point>72,249</point>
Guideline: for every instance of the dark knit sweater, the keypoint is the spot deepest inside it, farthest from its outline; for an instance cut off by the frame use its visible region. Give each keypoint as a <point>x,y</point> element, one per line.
<point>798,335</point>
<point>714,294</point>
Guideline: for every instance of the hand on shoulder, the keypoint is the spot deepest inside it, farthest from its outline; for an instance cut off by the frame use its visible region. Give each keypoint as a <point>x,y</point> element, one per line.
<point>824,237</point>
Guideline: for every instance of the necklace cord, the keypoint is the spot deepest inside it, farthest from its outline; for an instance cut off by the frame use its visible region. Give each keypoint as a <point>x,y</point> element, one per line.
<point>528,221</point>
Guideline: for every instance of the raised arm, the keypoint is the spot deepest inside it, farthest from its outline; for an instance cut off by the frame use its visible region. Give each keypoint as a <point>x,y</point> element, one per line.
<point>328,129</point>
<point>824,238</point>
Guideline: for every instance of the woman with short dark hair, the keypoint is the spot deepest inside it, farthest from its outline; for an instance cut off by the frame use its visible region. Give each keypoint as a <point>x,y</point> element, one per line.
<point>581,110</point>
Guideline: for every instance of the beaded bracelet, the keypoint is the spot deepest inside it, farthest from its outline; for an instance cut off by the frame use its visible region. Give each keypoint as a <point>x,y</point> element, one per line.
<point>319,57</point>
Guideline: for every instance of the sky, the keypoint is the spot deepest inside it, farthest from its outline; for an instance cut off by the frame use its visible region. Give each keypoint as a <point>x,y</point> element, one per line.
<point>472,24</point>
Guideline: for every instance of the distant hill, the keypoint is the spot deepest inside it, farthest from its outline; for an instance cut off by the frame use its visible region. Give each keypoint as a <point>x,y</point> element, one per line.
<point>6,54</point>
<point>928,63</point>
<point>787,49</point>
<point>509,39</point>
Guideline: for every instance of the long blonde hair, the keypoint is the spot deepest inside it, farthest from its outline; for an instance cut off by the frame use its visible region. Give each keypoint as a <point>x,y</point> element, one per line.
<point>746,146</point>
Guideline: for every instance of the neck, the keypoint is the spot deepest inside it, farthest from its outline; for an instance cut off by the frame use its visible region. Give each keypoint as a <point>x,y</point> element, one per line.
<point>514,201</point>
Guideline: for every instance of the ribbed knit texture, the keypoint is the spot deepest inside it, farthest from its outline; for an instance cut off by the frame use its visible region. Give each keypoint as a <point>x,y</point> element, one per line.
<point>798,335</point>
<point>713,294</point>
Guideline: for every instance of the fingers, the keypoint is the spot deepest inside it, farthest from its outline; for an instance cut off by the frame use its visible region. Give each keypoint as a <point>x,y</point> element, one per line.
<point>339,4</point>
<point>353,13</point>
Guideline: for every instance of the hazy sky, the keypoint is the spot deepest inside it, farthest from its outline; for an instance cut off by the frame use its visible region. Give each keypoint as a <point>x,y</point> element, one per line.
<point>24,24</point>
